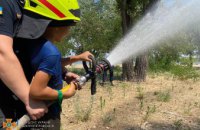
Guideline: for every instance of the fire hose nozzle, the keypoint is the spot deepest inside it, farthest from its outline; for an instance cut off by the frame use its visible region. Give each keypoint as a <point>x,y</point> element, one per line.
<point>92,70</point>
<point>81,80</point>
<point>103,66</point>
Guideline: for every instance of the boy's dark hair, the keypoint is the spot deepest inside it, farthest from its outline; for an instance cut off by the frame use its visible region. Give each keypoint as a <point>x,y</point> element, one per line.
<point>55,23</point>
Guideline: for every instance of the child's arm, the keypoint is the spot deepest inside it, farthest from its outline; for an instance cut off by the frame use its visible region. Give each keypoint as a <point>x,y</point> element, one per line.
<point>82,57</point>
<point>39,89</point>
<point>68,77</point>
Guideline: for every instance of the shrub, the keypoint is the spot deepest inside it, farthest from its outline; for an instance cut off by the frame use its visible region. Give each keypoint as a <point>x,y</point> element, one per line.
<point>184,72</point>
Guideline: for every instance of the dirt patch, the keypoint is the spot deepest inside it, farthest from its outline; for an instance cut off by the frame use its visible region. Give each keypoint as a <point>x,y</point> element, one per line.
<point>161,103</point>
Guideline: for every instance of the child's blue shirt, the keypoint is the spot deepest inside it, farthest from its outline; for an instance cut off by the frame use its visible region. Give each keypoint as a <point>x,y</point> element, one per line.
<point>46,57</point>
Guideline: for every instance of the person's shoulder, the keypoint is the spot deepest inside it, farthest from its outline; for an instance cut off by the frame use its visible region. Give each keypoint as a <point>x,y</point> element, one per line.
<point>11,4</point>
<point>10,13</point>
<point>50,45</point>
<point>50,48</point>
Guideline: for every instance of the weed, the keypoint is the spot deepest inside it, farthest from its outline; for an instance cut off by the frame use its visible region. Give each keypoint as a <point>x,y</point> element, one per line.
<point>102,103</point>
<point>163,96</point>
<point>178,124</point>
<point>124,89</point>
<point>81,114</point>
<point>108,118</point>
<point>196,104</point>
<point>140,93</point>
<point>188,109</point>
<point>140,96</point>
<point>198,121</point>
<point>141,104</point>
<point>184,73</point>
<point>173,86</point>
<point>109,89</point>
<point>149,111</point>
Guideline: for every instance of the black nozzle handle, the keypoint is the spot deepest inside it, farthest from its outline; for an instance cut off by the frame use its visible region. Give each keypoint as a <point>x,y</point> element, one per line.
<point>93,86</point>
<point>110,68</point>
<point>92,73</point>
<point>93,64</point>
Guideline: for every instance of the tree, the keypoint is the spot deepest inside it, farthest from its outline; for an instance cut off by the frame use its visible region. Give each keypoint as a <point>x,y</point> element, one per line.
<point>177,50</point>
<point>99,28</point>
<point>131,11</point>
<point>127,66</point>
<point>141,62</point>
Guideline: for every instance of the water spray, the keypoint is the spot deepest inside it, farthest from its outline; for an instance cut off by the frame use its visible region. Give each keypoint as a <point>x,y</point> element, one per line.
<point>165,21</point>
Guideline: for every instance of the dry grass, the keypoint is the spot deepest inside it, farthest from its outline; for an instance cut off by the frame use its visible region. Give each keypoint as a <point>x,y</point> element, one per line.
<point>119,107</point>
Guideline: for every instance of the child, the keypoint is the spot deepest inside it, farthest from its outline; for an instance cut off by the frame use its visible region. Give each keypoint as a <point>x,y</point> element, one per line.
<point>47,67</point>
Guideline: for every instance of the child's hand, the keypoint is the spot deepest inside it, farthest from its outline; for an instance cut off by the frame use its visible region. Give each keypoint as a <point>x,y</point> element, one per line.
<point>67,93</point>
<point>69,77</point>
<point>85,56</point>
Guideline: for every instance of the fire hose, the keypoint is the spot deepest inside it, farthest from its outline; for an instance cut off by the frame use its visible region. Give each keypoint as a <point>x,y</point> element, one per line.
<point>92,70</point>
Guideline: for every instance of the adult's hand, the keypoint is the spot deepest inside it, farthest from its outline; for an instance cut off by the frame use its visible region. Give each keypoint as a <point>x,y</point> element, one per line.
<point>36,109</point>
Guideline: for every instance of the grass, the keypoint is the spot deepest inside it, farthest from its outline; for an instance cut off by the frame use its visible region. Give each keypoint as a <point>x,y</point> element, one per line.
<point>184,73</point>
<point>139,104</point>
<point>140,96</point>
<point>178,124</point>
<point>149,111</point>
<point>187,108</point>
<point>163,96</point>
<point>81,114</point>
<point>102,103</point>
<point>109,89</point>
<point>124,86</point>
<point>108,118</point>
